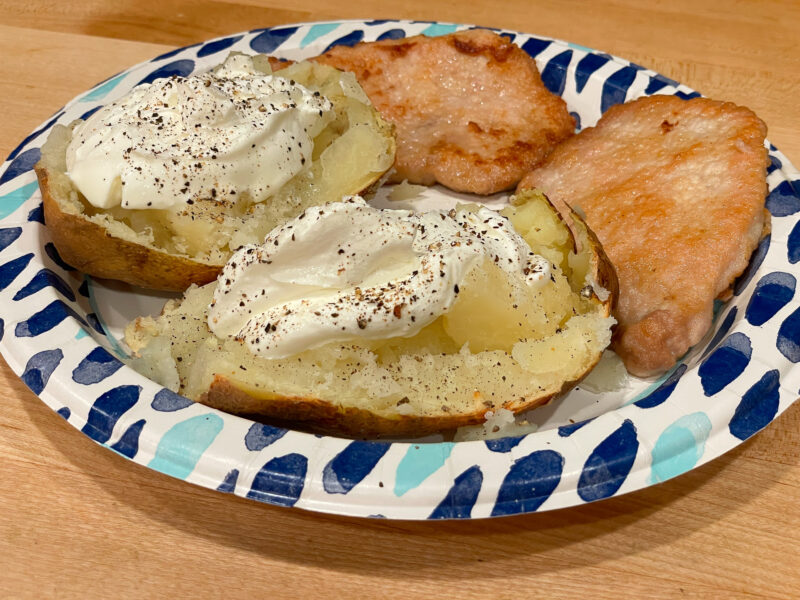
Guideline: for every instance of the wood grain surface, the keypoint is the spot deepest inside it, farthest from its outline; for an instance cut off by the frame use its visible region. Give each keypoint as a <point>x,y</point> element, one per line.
<point>78,521</point>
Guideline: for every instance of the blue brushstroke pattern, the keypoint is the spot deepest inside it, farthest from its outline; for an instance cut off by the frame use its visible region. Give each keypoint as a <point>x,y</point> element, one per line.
<point>725,364</point>
<point>45,278</point>
<point>15,152</point>
<point>217,46</point>
<point>609,464</point>
<point>663,391</point>
<point>8,236</point>
<point>351,39</point>
<point>11,270</point>
<point>21,164</point>
<point>554,74</point>
<point>458,502</point>
<point>90,112</point>
<point>686,95</point>
<point>348,468</point>
<point>128,444</point>
<point>36,215</point>
<point>39,368</point>
<point>83,290</point>
<point>281,480</point>
<point>392,34</point>
<point>530,481</point>
<point>107,410</point>
<point>793,244</point>
<point>723,330</point>
<point>784,199</point>
<point>585,68</point>
<point>758,407</point>
<point>269,40</point>
<point>179,68</point>
<point>568,430</point>
<point>64,412</point>
<point>172,53</point>
<point>95,367</point>
<point>2,329</point>
<point>772,293</point>
<point>788,341</point>
<point>679,447</point>
<point>44,320</point>
<point>260,436</point>
<point>228,485</point>
<point>316,31</point>
<point>615,87</point>
<point>506,444</point>
<point>774,164</point>
<point>656,83</point>
<point>168,401</point>
<point>95,323</point>
<point>51,251</point>
<point>534,46</point>
<point>419,463</point>
<point>755,262</point>
<point>181,447</point>
<point>10,202</point>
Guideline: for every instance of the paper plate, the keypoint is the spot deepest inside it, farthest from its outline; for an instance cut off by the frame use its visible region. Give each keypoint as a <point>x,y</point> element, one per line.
<point>59,332</point>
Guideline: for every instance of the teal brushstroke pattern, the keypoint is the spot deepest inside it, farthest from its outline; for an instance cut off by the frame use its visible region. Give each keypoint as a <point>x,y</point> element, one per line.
<point>318,31</point>
<point>13,200</point>
<point>419,463</point>
<point>679,447</point>
<point>101,92</point>
<point>184,444</point>
<point>437,29</point>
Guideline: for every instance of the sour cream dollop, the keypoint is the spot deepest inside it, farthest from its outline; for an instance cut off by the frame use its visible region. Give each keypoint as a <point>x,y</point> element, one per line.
<point>346,271</point>
<point>213,135</point>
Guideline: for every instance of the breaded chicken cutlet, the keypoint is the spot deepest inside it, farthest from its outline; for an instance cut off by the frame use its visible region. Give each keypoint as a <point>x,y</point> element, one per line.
<point>675,192</point>
<point>470,109</point>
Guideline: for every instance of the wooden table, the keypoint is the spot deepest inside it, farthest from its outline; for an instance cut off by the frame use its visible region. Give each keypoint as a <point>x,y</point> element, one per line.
<point>79,521</point>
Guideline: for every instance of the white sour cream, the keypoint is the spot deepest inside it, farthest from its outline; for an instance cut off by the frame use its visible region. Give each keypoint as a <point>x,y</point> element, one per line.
<point>213,135</point>
<point>346,271</point>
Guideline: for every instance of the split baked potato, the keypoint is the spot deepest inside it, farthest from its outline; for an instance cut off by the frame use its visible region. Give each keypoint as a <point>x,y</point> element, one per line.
<point>170,249</point>
<point>502,344</point>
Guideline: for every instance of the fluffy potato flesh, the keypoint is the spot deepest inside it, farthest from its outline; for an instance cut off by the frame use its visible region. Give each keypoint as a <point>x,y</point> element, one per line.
<point>350,156</point>
<point>502,344</point>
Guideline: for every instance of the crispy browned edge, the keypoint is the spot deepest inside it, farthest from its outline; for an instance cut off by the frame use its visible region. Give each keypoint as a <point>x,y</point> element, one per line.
<point>90,248</point>
<point>324,416</point>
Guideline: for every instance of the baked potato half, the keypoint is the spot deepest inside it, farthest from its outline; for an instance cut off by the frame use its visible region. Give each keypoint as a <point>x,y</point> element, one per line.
<point>502,344</point>
<point>169,249</point>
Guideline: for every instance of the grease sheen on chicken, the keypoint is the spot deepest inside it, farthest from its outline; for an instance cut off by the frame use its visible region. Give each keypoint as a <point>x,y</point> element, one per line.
<point>675,192</point>
<point>470,109</point>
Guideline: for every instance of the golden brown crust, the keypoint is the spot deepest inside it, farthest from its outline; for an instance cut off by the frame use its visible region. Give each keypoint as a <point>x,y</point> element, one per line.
<point>90,248</point>
<point>324,416</point>
<point>470,108</point>
<point>675,191</point>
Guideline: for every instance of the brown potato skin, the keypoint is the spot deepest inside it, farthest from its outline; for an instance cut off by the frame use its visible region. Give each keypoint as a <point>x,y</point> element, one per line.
<point>323,416</point>
<point>89,248</point>
<point>326,416</point>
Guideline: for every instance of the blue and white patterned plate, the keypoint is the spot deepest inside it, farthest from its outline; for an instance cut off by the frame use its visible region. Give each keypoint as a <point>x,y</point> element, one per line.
<point>59,332</point>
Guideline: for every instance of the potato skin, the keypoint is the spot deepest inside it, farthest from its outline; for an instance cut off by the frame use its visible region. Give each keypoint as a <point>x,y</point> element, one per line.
<point>96,250</point>
<point>90,248</point>
<point>329,417</point>
<point>324,416</point>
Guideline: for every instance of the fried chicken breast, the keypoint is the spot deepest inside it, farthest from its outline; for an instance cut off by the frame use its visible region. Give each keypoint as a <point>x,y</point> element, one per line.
<point>470,109</point>
<point>675,192</point>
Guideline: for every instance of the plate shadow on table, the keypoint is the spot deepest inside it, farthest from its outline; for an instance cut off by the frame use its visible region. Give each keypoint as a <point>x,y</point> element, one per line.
<point>635,523</point>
